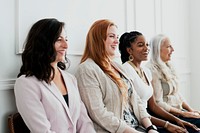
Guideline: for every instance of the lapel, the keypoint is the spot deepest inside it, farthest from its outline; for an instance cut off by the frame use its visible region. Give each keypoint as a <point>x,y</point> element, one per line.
<point>116,66</point>
<point>54,90</point>
<point>147,77</point>
<point>69,86</point>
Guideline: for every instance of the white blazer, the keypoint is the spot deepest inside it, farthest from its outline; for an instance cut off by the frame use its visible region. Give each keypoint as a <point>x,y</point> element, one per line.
<point>44,109</point>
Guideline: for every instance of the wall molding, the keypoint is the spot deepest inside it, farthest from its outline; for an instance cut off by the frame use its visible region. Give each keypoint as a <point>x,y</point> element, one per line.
<point>7,84</point>
<point>130,11</point>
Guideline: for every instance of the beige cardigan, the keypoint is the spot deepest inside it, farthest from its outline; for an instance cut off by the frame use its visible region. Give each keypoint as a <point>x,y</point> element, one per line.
<point>166,93</point>
<point>103,99</point>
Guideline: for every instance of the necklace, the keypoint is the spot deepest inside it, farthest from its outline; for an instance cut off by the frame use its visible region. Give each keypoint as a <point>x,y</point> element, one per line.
<point>139,71</point>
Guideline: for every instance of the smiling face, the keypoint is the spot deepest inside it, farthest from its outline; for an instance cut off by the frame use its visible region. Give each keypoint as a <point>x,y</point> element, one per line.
<point>61,46</point>
<point>111,41</point>
<point>139,49</point>
<point>166,50</point>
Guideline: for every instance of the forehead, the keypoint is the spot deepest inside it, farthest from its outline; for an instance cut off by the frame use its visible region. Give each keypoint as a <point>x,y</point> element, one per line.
<point>63,33</point>
<point>140,38</point>
<point>166,41</point>
<point>112,29</point>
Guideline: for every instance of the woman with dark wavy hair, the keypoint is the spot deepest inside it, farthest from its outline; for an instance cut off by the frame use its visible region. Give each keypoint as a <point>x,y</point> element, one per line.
<point>47,97</point>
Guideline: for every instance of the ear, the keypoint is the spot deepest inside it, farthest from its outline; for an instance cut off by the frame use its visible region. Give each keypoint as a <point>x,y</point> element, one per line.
<point>129,50</point>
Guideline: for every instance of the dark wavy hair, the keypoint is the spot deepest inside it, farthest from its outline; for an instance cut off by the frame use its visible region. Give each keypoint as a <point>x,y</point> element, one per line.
<point>125,42</point>
<point>39,51</point>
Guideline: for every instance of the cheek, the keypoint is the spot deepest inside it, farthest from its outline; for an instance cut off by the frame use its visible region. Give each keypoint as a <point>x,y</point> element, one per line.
<point>164,52</point>
<point>163,55</point>
<point>56,46</point>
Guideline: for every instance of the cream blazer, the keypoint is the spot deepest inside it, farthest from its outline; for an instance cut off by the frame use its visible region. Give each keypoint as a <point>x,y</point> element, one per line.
<point>44,109</point>
<point>166,93</point>
<point>103,99</point>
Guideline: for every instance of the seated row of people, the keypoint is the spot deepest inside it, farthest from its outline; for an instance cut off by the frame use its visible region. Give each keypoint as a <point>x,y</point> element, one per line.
<point>103,96</point>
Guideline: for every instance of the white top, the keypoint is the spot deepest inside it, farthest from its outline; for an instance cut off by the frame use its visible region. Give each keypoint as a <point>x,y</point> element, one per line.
<point>143,90</point>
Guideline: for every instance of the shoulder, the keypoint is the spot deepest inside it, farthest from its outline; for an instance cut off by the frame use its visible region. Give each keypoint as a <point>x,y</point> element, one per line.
<point>129,70</point>
<point>126,65</point>
<point>122,67</point>
<point>27,85</point>
<point>125,69</point>
<point>88,66</point>
<point>23,80</point>
<point>152,68</point>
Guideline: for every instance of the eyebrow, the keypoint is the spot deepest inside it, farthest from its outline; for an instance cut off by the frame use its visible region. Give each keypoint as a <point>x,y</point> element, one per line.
<point>111,33</point>
<point>63,37</point>
<point>141,42</point>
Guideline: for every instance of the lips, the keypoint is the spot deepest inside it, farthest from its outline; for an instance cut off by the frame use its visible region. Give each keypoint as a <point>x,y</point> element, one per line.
<point>146,53</point>
<point>113,46</point>
<point>61,52</point>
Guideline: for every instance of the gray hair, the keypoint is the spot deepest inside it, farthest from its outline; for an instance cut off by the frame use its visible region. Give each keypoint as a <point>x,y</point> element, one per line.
<point>166,67</point>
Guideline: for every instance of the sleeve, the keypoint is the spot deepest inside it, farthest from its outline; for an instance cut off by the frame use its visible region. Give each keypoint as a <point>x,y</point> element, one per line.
<point>158,91</point>
<point>91,94</point>
<point>28,99</point>
<point>182,99</point>
<point>84,123</point>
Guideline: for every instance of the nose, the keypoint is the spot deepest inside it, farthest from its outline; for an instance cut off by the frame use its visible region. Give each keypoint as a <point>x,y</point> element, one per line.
<point>146,47</point>
<point>117,40</point>
<point>65,44</point>
<point>172,48</point>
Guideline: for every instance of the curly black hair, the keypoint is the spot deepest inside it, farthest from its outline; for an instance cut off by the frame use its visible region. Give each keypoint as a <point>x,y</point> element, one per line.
<point>125,42</point>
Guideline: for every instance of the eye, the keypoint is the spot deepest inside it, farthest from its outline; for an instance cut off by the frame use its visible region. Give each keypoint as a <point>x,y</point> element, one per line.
<point>112,36</point>
<point>169,46</point>
<point>140,44</point>
<point>59,39</point>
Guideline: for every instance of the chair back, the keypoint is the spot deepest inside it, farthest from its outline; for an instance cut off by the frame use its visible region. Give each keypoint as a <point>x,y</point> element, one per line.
<point>16,124</point>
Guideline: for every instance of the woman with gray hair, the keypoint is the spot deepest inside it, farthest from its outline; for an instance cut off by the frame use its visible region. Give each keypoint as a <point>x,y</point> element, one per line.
<point>165,81</point>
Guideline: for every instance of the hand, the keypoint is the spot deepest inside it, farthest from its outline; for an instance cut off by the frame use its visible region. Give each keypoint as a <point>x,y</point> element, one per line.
<point>190,114</point>
<point>187,124</point>
<point>190,125</point>
<point>196,112</point>
<point>176,129</point>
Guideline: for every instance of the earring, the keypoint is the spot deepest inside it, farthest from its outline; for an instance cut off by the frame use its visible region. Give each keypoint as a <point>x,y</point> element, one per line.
<point>130,58</point>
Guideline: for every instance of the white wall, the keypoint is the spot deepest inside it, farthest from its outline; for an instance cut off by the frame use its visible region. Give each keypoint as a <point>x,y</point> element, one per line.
<point>175,23</point>
<point>194,48</point>
<point>149,17</point>
<point>10,62</point>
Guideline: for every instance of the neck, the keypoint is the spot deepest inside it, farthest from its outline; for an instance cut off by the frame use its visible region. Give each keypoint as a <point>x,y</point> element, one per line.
<point>139,71</point>
<point>137,67</point>
<point>136,64</point>
<point>54,65</point>
<point>56,71</point>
